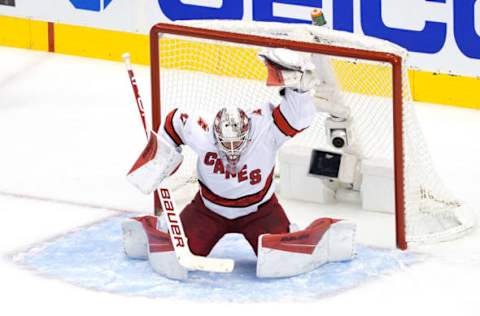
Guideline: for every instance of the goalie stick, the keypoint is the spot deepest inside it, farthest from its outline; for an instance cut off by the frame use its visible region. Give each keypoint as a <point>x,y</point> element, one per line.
<point>175,227</point>
<point>136,93</point>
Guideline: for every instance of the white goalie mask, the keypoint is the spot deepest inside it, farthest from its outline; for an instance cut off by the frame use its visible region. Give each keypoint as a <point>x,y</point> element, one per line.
<point>231,129</point>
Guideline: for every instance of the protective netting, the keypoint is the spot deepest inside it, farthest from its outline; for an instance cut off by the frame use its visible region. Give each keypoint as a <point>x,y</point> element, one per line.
<point>201,75</point>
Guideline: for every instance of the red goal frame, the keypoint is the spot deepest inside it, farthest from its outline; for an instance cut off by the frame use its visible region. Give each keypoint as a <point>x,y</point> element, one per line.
<point>394,60</point>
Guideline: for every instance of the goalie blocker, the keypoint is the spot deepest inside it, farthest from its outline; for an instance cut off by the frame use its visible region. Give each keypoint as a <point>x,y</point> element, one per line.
<point>158,160</point>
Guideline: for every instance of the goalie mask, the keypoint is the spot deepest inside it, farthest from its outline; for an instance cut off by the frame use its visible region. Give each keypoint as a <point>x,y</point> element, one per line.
<point>231,128</point>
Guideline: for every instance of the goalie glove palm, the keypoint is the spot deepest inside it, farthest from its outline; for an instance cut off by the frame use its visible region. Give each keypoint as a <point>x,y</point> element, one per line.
<point>289,69</point>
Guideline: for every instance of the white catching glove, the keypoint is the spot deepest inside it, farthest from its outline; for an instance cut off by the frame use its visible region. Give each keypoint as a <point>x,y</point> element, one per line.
<point>289,69</point>
<point>158,160</point>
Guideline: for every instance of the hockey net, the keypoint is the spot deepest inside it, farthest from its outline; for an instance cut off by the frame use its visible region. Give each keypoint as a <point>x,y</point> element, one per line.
<point>215,64</point>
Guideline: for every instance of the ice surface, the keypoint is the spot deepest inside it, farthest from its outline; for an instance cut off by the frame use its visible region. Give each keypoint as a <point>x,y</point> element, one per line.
<point>93,258</point>
<point>69,131</point>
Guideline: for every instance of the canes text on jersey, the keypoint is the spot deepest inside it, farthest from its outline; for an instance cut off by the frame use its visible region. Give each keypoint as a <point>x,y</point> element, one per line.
<point>212,159</point>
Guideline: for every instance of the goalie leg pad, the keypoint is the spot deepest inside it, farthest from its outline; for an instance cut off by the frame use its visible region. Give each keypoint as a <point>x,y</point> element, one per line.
<point>285,255</point>
<point>142,239</point>
<point>134,239</point>
<point>161,253</point>
<point>341,242</point>
<point>162,257</point>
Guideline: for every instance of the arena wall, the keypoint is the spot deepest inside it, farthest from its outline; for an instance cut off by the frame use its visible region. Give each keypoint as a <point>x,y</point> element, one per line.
<point>442,36</point>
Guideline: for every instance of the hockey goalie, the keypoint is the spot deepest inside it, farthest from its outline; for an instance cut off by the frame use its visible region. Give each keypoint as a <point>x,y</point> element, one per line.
<point>235,167</point>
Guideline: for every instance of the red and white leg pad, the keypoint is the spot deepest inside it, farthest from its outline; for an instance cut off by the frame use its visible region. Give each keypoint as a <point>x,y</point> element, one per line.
<point>325,240</point>
<point>134,239</point>
<point>142,239</point>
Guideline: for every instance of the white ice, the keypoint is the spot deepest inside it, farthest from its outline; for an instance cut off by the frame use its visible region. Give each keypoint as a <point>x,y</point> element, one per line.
<point>68,133</point>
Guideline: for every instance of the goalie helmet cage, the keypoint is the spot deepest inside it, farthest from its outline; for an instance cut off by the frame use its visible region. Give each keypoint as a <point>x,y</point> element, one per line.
<point>425,211</point>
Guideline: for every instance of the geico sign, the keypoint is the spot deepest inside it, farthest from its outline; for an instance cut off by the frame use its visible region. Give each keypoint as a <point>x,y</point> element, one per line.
<point>430,39</point>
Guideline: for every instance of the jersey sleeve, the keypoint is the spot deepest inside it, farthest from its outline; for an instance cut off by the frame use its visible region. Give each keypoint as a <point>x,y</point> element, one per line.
<point>183,128</point>
<point>174,128</point>
<point>294,114</point>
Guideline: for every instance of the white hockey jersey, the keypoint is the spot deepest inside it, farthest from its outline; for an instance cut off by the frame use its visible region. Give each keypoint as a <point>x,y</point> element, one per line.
<point>235,195</point>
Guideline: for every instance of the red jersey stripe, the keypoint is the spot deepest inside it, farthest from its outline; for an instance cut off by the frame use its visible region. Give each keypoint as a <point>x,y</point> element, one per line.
<point>240,202</point>
<point>169,128</point>
<point>282,123</point>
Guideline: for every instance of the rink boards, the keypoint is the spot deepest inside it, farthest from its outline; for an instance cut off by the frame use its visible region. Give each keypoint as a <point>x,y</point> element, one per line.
<point>110,45</point>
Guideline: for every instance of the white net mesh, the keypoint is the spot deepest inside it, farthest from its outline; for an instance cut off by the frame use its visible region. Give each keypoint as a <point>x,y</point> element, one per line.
<point>203,75</point>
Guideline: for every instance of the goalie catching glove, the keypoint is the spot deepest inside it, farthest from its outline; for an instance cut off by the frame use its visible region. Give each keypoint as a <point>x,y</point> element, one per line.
<point>289,69</point>
<point>158,160</point>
